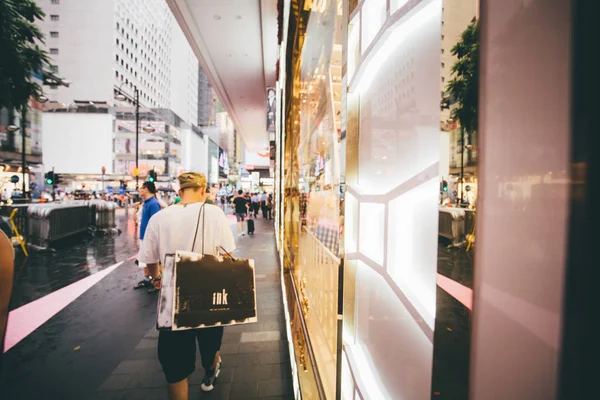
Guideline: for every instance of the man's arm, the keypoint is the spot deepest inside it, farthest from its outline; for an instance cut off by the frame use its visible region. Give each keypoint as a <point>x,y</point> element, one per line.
<point>149,251</point>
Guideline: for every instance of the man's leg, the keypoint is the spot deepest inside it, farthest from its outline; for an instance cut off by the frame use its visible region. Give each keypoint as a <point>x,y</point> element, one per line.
<point>177,356</point>
<point>209,342</point>
<point>179,390</point>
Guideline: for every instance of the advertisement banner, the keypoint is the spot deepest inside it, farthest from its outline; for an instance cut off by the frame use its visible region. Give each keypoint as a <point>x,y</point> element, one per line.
<point>271,109</point>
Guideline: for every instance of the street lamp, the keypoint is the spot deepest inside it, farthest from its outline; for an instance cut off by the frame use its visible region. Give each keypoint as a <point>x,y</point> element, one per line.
<point>148,128</point>
<point>121,97</point>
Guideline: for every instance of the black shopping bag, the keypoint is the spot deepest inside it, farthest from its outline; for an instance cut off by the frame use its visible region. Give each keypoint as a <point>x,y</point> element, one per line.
<point>202,291</point>
<point>212,291</point>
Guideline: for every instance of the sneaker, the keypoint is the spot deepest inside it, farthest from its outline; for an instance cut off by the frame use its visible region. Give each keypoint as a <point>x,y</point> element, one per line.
<point>145,283</point>
<point>210,379</point>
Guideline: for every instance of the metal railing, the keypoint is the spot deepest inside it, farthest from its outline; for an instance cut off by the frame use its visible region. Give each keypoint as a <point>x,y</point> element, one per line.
<point>455,224</point>
<point>51,222</point>
<point>102,216</point>
<point>318,272</point>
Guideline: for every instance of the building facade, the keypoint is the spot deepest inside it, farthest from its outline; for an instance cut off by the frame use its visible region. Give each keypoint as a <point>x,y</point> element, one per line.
<point>103,47</point>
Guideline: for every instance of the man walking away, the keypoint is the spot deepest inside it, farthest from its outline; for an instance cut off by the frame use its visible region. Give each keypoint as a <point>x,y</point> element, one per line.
<point>263,204</point>
<point>270,206</point>
<point>254,204</point>
<point>171,230</point>
<point>151,206</point>
<point>241,207</point>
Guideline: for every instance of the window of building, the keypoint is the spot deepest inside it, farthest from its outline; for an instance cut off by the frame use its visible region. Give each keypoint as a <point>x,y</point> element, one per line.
<point>53,51</point>
<point>442,51</point>
<point>116,74</point>
<point>55,1</point>
<point>54,68</point>
<point>443,65</point>
<point>54,34</point>
<point>54,87</point>
<point>443,79</point>
<point>53,17</point>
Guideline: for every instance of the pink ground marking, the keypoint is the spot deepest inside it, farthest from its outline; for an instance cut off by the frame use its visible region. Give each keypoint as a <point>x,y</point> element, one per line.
<point>26,319</point>
<point>456,290</point>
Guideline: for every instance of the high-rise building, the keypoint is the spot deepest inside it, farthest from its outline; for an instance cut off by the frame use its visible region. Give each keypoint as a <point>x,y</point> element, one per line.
<point>101,46</point>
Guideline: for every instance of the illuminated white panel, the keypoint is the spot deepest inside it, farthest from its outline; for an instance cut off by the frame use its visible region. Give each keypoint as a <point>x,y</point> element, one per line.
<point>350,228</point>
<point>399,150</point>
<point>347,381</point>
<point>412,246</point>
<point>353,45</point>
<point>371,232</point>
<point>374,14</point>
<point>392,354</point>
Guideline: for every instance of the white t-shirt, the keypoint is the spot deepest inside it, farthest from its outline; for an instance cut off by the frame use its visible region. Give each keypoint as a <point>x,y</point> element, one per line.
<point>173,229</point>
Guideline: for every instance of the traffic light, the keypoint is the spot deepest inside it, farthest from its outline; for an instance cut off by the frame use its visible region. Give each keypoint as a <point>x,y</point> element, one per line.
<point>152,176</point>
<point>444,186</point>
<point>57,179</point>
<point>50,178</point>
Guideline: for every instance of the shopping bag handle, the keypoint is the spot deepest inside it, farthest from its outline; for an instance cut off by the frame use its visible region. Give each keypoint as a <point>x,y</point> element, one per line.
<point>228,253</point>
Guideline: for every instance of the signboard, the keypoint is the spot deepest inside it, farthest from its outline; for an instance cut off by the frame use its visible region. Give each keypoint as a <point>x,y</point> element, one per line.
<point>271,109</point>
<point>223,164</point>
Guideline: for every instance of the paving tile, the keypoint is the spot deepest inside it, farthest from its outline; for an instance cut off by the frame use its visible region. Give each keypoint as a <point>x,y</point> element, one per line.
<point>143,354</point>
<point>109,395</point>
<point>240,328</point>
<point>231,337</point>
<point>265,336</point>
<point>246,374</point>
<point>244,390</point>
<point>116,382</point>
<point>275,371</point>
<point>238,360</point>
<point>275,387</point>
<point>273,357</point>
<point>229,348</point>
<point>137,394</point>
<point>147,381</point>
<point>220,392</point>
<point>130,367</point>
<point>149,343</point>
<point>253,347</point>
<point>157,394</point>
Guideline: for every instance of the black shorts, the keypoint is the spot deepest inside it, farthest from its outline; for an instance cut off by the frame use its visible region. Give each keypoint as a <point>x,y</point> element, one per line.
<point>177,351</point>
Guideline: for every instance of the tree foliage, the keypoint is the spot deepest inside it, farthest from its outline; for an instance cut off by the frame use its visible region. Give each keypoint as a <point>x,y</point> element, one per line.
<point>21,53</point>
<point>464,86</point>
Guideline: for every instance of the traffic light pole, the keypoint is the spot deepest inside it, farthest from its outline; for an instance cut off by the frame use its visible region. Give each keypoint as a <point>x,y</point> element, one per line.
<point>137,139</point>
<point>23,160</point>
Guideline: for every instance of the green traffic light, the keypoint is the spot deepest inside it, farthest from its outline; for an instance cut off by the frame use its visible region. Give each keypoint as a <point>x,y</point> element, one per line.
<point>445,188</point>
<point>49,181</point>
<point>150,179</point>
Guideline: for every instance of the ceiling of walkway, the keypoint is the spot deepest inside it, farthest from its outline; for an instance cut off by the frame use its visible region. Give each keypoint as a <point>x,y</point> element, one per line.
<point>236,44</point>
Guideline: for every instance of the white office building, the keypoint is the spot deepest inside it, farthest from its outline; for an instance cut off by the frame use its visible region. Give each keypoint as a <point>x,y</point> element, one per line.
<point>101,46</point>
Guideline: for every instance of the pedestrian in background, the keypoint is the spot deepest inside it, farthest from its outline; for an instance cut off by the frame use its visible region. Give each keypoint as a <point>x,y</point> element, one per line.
<point>150,207</point>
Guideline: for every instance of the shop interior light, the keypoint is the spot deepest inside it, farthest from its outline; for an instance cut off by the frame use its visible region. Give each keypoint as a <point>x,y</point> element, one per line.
<point>12,128</point>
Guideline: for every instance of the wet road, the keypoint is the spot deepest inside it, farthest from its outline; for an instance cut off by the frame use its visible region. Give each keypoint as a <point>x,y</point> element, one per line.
<point>72,353</point>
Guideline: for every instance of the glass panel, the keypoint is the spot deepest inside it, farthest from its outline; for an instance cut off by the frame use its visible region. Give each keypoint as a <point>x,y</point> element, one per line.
<point>397,195</point>
<point>318,191</point>
<point>373,15</point>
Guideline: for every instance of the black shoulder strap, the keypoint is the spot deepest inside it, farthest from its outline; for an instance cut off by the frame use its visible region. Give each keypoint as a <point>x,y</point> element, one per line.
<point>197,226</point>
